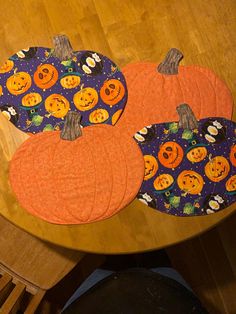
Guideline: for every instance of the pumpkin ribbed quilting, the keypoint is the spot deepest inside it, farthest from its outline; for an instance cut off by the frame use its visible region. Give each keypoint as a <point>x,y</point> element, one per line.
<point>85,180</point>
<point>153,97</point>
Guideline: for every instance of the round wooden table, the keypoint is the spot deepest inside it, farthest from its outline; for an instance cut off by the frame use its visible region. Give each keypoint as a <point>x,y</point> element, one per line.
<point>136,228</point>
<point>204,31</point>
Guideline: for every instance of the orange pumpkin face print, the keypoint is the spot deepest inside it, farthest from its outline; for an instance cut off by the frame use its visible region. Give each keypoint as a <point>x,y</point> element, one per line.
<point>86,98</point>
<point>151,166</point>
<point>202,183</point>
<point>112,92</point>
<point>60,70</point>
<point>7,66</point>
<point>45,76</point>
<point>163,182</point>
<point>98,116</point>
<point>231,184</point>
<point>57,105</point>
<point>197,154</point>
<point>232,155</point>
<point>70,81</point>
<point>190,182</point>
<point>18,83</point>
<point>31,99</point>
<point>170,154</point>
<point>217,168</point>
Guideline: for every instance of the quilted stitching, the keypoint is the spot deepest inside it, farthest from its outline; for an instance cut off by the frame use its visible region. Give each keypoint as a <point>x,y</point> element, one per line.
<point>153,97</point>
<point>86,180</point>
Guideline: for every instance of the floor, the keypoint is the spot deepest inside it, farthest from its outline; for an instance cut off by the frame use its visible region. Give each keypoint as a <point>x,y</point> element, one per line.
<point>208,263</point>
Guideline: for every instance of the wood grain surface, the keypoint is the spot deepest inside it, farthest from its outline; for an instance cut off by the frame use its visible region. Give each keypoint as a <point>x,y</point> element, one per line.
<point>208,264</point>
<point>29,260</point>
<point>125,31</point>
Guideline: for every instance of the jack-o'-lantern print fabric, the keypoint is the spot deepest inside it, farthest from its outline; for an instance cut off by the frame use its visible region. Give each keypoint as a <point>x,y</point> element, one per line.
<point>189,172</point>
<point>37,90</point>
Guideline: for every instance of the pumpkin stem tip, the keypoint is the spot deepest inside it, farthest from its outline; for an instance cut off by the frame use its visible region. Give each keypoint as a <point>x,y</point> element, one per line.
<point>170,64</point>
<point>62,48</point>
<point>72,127</point>
<point>187,119</point>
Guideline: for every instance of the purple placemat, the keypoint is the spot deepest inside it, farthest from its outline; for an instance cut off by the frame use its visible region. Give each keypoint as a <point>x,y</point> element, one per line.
<point>39,98</point>
<point>187,172</point>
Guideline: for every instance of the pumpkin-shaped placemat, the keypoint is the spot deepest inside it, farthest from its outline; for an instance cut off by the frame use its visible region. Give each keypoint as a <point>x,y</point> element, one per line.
<point>38,86</point>
<point>189,171</point>
<point>77,176</point>
<point>156,90</point>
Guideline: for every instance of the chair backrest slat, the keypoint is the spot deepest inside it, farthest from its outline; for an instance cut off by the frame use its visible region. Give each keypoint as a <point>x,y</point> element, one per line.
<point>29,267</point>
<point>34,302</point>
<point>13,298</point>
<point>4,280</point>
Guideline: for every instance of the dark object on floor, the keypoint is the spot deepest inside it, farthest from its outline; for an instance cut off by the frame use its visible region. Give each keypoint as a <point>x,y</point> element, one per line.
<point>137,291</point>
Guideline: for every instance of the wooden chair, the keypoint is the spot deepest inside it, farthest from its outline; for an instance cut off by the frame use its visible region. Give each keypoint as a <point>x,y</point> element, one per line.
<point>29,267</point>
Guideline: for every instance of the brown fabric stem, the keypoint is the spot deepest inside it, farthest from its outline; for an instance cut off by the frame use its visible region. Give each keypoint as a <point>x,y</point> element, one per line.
<point>171,62</point>
<point>62,48</point>
<point>187,119</point>
<point>72,128</point>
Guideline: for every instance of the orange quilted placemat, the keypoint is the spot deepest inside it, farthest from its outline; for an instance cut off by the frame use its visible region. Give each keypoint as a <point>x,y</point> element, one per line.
<point>80,181</point>
<point>154,92</point>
